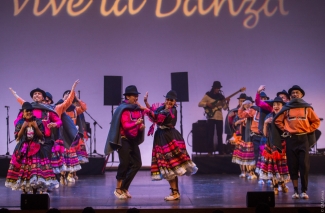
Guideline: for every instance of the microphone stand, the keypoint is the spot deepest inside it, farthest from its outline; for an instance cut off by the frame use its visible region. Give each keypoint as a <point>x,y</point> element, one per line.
<point>8,132</point>
<point>95,123</point>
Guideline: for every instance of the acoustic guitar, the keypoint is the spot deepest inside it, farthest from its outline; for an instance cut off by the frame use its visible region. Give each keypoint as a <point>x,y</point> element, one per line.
<point>218,104</point>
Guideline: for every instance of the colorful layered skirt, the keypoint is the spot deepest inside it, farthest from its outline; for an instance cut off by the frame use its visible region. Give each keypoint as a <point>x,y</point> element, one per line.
<point>244,151</point>
<point>30,167</point>
<point>274,164</point>
<point>260,154</point>
<point>57,159</point>
<point>81,150</point>
<point>169,156</point>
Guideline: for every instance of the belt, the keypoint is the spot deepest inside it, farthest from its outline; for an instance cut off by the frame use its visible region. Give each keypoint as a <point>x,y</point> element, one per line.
<point>288,134</point>
<point>253,133</point>
<point>163,127</point>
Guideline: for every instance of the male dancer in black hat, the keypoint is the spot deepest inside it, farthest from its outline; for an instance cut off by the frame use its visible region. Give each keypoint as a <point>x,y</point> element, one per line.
<point>299,121</point>
<point>125,136</point>
<point>214,114</point>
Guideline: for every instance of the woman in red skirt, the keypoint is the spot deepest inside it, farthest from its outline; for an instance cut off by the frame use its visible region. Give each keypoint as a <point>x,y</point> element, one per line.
<point>169,156</point>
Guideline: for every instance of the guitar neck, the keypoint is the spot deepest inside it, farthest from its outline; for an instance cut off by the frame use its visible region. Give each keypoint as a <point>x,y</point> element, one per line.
<point>233,94</point>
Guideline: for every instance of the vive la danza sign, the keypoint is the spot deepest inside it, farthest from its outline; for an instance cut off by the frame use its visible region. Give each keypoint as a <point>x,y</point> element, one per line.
<point>251,8</point>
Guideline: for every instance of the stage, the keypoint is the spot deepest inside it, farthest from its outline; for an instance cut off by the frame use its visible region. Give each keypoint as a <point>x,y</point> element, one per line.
<point>199,193</point>
<point>215,186</point>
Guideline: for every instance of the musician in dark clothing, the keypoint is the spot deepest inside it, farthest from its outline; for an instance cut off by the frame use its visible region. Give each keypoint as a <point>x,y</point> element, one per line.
<point>214,115</point>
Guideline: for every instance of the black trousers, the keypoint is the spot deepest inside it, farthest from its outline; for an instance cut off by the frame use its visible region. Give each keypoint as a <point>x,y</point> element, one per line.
<point>298,158</point>
<point>256,139</point>
<point>212,125</point>
<point>130,162</point>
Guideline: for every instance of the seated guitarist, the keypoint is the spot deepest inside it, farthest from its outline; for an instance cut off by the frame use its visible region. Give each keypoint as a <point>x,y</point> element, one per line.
<point>214,115</point>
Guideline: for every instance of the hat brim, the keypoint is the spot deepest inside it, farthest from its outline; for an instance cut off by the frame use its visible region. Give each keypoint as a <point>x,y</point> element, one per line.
<point>65,92</point>
<point>133,93</point>
<point>270,102</point>
<point>171,97</point>
<point>267,98</point>
<point>247,102</point>
<point>301,90</point>
<point>286,94</point>
<point>37,90</point>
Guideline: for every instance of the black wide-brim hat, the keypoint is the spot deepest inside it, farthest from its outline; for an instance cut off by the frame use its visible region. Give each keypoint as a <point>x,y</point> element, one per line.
<point>276,99</point>
<point>131,90</point>
<point>65,92</point>
<point>242,96</point>
<point>49,96</point>
<point>26,105</point>
<point>216,85</point>
<point>284,92</point>
<point>263,94</point>
<point>37,90</point>
<point>296,87</point>
<point>171,95</point>
<point>249,98</point>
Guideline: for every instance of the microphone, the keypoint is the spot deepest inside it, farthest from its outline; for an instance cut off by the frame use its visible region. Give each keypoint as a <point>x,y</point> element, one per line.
<point>79,93</point>
<point>7,106</point>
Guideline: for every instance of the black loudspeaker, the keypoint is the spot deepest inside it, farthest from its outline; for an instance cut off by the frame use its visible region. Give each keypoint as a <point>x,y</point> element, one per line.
<point>112,90</point>
<point>255,198</point>
<point>34,201</point>
<point>180,85</point>
<point>200,136</point>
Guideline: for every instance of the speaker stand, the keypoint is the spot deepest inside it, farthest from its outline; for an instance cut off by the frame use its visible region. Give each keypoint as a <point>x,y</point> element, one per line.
<point>107,157</point>
<point>181,120</point>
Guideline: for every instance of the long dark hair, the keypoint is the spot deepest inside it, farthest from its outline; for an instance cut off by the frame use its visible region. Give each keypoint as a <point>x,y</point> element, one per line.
<point>211,91</point>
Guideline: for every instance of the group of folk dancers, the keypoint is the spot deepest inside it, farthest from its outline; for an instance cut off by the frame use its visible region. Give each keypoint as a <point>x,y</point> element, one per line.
<point>272,138</point>
<point>50,142</point>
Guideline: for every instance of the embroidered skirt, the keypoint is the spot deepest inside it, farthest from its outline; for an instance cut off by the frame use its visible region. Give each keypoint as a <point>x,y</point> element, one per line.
<point>169,156</point>
<point>29,169</point>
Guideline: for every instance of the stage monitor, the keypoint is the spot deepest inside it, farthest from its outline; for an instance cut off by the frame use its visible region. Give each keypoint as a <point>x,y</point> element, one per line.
<point>180,85</point>
<point>112,90</point>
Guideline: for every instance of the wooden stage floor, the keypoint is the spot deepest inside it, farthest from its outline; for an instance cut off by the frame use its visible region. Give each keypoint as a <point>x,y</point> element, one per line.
<point>200,191</point>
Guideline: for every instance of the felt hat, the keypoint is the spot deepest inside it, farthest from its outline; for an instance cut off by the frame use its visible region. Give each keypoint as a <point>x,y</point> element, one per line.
<point>263,95</point>
<point>242,96</point>
<point>284,92</point>
<point>250,99</point>
<point>276,99</point>
<point>65,92</point>
<point>171,95</point>
<point>49,96</point>
<point>26,105</point>
<point>216,85</point>
<point>131,90</point>
<point>37,90</point>
<point>296,87</point>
